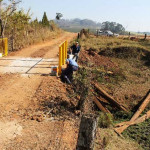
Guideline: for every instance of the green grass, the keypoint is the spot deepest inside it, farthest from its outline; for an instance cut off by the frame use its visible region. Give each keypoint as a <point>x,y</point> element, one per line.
<point>105,120</point>
<point>140,133</point>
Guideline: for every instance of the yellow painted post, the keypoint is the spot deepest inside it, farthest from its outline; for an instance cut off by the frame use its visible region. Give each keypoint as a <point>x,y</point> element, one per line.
<point>66,48</point>
<point>6,47</point>
<point>63,54</point>
<point>60,59</point>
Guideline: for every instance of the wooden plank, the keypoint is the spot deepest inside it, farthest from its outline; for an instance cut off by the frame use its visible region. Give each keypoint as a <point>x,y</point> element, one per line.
<point>120,129</point>
<point>142,107</point>
<point>109,98</point>
<point>100,106</point>
<point>135,120</point>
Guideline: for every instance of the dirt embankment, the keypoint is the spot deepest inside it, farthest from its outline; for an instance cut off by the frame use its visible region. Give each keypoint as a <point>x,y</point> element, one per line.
<point>121,69</point>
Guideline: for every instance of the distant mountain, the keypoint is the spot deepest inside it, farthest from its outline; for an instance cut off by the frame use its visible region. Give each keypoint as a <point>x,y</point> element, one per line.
<point>77,24</point>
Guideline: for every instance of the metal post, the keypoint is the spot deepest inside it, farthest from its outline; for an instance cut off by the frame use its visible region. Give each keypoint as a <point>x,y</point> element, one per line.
<point>60,59</point>
<point>66,48</point>
<point>6,47</point>
<point>63,54</point>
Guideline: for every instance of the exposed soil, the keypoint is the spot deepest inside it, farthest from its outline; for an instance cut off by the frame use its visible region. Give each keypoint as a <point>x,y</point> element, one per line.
<point>35,111</point>
<point>128,64</point>
<point>95,59</point>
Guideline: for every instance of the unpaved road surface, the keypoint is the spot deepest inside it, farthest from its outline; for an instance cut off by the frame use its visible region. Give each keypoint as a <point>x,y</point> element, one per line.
<point>30,101</point>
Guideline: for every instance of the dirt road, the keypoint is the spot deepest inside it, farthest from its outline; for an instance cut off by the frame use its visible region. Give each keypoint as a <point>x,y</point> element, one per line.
<point>26,121</point>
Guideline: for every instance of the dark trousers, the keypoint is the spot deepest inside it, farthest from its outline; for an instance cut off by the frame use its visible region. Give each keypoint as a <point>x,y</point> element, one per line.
<point>76,56</point>
<point>68,72</point>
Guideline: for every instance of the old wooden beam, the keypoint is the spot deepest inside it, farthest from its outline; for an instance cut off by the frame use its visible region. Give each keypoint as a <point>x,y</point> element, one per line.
<point>100,106</point>
<point>135,120</point>
<point>109,98</point>
<point>120,129</point>
<point>142,107</point>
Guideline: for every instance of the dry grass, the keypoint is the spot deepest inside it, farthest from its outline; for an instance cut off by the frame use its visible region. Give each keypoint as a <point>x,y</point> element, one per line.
<point>122,68</point>
<point>101,43</point>
<point>131,74</point>
<point>37,35</point>
<point>111,141</point>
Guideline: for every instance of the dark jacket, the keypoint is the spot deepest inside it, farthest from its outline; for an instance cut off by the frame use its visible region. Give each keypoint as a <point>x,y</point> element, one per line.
<point>75,49</point>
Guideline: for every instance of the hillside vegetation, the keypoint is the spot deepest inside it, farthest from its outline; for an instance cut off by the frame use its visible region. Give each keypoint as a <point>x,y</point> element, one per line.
<point>75,25</point>
<point>20,30</point>
<point>122,68</point>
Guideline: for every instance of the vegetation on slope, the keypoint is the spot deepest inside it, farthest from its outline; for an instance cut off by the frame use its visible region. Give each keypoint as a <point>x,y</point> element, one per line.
<point>21,31</point>
<point>122,68</point>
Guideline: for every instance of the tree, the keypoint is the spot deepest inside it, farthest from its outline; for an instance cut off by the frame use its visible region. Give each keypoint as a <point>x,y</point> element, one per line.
<point>113,27</point>
<point>17,27</point>
<point>45,21</point>
<point>6,13</point>
<point>105,26</point>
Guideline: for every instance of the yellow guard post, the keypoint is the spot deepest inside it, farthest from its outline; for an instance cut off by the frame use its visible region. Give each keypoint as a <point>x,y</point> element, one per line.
<point>4,46</point>
<point>62,54</point>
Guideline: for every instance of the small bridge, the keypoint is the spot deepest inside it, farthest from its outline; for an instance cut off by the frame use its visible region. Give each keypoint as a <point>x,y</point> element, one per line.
<point>41,66</point>
<point>27,65</point>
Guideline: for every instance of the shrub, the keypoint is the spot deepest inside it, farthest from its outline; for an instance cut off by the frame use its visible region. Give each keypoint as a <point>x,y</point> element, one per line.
<point>105,120</point>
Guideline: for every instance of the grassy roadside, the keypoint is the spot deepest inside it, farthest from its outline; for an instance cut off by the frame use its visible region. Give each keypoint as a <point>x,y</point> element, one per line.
<point>122,68</point>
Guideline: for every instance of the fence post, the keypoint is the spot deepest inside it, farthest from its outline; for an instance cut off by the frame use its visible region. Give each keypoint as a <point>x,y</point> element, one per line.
<point>145,37</point>
<point>6,47</point>
<point>60,59</point>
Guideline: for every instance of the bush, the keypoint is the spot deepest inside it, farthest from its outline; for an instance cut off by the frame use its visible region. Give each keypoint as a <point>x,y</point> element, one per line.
<point>105,120</point>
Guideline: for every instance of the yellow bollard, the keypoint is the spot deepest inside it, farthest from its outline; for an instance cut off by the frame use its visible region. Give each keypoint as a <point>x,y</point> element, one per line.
<point>6,47</point>
<point>60,59</point>
<point>63,54</point>
<point>66,48</point>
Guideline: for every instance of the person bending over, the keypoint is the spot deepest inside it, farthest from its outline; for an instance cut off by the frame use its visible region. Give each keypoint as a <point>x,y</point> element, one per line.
<point>68,72</point>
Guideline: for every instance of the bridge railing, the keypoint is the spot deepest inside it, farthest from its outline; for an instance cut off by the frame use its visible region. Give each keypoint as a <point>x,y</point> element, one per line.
<point>3,47</point>
<point>62,55</point>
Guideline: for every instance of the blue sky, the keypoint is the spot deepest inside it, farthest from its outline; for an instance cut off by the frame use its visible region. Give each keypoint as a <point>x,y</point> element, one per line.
<point>133,14</point>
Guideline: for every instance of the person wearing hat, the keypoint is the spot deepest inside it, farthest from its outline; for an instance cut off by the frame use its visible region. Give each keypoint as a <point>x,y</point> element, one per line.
<point>75,50</point>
